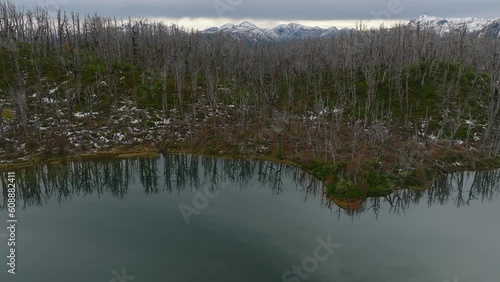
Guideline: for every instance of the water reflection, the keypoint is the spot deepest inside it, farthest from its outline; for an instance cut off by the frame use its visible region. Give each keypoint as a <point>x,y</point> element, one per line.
<point>459,189</point>
<point>178,173</point>
<point>157,174</point>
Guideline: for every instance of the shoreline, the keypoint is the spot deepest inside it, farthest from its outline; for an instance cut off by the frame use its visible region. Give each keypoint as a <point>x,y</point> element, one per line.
<point>347,199</point>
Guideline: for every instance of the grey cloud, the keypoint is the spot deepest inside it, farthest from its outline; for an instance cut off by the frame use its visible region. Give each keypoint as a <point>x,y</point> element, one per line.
<point>281,9</point>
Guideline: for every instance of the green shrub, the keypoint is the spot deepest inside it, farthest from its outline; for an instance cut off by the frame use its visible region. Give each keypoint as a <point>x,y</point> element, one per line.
<point>210,151</point>
<point>7,115</point>
<point>345,189</point>
<point>278,154</point>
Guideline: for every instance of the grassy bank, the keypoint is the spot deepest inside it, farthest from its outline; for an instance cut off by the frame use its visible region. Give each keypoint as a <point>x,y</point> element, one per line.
<point>347,190</point>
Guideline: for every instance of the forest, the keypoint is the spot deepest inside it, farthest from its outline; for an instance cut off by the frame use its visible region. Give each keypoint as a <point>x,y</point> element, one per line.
<point>365,111</point>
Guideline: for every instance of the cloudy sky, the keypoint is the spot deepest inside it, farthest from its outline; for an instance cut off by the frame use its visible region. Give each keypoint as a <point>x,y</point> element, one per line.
<point>267,13</point>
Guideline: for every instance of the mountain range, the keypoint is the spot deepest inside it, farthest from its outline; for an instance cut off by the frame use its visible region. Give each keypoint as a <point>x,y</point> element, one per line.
<point>293,31</point>
<point>483,27</point>
<point>251,32</point>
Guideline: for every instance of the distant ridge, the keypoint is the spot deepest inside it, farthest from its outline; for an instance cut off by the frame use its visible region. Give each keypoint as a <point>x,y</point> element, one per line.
<point>483,27</point>
<point>293,31</point>
<point>251,32</point>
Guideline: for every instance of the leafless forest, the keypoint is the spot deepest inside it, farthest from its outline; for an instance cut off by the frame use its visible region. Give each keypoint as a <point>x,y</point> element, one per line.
<point>399,97</point>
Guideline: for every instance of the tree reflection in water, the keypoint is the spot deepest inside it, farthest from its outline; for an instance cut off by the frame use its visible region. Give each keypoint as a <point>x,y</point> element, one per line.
<point>459,189</point>
<point>178,172</point>
<point>157,174</point>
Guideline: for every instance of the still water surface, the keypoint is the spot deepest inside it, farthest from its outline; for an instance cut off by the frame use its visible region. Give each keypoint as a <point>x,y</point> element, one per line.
<point>243,220</point>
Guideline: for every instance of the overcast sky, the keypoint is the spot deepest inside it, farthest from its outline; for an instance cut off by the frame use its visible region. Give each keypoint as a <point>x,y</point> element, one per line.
<point>266,13</point>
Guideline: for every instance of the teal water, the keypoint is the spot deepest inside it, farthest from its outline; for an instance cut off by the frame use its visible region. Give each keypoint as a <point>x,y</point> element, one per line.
<point>243,220</point>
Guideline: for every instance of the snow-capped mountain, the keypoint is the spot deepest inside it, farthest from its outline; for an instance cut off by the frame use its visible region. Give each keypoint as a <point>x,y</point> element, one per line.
<point>245,30</point>
<point>280,33</point>
<point>293,31</point>
<point>492,30</point>
<point>483,27</point>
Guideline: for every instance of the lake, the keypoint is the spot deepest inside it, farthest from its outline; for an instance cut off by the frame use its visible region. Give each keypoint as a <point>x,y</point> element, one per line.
<point>191,218</point>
